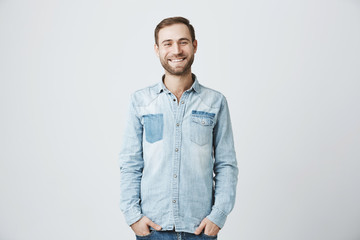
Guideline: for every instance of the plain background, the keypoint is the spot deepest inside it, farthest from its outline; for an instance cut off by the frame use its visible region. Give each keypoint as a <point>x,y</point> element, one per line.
<point>290,72</point>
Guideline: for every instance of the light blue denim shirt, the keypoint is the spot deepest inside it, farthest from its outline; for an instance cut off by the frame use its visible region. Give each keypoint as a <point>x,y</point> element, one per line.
<point>177,162</point>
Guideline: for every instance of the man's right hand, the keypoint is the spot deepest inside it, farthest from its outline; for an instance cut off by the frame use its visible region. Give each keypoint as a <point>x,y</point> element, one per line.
<point>142,227</point>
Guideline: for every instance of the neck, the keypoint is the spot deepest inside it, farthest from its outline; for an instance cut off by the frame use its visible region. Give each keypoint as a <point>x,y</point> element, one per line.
<point>178,84</point>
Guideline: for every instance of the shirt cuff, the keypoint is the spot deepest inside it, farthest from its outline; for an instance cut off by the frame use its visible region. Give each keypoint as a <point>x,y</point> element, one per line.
<point>133,215</point>
<point>217,217</point>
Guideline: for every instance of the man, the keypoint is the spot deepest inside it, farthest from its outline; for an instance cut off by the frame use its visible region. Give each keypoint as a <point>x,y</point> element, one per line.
<point>177,163</point>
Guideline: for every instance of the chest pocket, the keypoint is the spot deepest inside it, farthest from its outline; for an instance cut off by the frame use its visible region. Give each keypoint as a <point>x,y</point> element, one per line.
<point>201,127</point>
<point>154,127</point>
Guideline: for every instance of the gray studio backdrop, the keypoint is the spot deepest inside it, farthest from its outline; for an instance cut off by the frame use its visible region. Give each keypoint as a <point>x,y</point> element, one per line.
<point>290,72</point>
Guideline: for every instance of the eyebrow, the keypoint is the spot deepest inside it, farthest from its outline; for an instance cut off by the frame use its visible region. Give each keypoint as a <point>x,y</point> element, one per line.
<point>170,40</point>
<point>182,39</point>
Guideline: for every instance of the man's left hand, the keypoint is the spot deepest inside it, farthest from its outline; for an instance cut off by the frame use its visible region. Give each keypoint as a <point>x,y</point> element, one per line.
<point>210,228</point>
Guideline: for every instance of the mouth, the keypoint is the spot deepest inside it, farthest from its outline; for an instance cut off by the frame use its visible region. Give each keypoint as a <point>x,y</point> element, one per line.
<point>177,60</point>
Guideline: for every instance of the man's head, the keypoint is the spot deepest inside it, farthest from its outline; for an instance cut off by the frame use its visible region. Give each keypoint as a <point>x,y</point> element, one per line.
<point>171,21</point>
<point>175,45</point>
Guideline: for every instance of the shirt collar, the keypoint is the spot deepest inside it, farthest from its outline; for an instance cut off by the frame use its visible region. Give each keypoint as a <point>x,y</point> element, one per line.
<point>162,88</point>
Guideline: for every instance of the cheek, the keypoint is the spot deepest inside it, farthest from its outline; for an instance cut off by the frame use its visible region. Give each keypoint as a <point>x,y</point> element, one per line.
<point>163,54</point>
<point>191,50</point>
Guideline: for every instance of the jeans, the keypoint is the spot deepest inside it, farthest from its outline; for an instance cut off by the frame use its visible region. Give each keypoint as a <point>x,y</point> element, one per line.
<point>172,235</point>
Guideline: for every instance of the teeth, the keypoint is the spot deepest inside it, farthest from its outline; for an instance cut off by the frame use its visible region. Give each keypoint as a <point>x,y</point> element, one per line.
<point>177,60</point>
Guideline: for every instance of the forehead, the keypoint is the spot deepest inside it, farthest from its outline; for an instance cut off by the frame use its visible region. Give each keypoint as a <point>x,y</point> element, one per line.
<point>174,32</point>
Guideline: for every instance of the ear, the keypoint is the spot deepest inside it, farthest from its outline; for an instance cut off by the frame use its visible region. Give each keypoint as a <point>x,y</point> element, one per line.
<point>195,44</point>
<point>156,48</point>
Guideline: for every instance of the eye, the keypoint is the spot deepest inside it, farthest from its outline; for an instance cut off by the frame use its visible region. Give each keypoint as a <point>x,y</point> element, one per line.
<point>183,42</point>
<point>167,44</point>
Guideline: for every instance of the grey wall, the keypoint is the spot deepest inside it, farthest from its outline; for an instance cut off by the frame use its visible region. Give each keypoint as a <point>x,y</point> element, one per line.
<point>290,71</point>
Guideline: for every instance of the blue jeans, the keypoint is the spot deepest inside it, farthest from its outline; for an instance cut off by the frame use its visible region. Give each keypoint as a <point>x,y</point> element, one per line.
<point>172,235</point>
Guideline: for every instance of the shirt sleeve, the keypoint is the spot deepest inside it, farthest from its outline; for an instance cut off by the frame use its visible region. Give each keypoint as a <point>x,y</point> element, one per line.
<point>225,167</point>
<point>131,167</point>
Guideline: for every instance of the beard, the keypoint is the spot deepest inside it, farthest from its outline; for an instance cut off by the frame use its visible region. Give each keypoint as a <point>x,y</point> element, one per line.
<point>178,71</point>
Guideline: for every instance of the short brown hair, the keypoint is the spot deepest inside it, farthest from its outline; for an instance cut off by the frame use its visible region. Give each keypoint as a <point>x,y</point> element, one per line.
<point>174,20</point>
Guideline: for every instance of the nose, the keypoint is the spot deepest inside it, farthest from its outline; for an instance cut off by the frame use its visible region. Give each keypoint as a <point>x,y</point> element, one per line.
<point>177,48</point>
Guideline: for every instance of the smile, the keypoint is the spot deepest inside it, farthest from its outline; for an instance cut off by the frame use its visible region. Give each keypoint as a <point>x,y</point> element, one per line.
<point>177,60</point>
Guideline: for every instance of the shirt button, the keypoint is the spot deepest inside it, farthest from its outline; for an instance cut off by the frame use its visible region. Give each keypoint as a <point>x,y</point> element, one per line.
<point>175,176</point>
<point>176,149</point>
<point>174,99</point>
<point>182,102</point>
<point>174,201</point>
<point>177,124</point>
<point>202,122</point>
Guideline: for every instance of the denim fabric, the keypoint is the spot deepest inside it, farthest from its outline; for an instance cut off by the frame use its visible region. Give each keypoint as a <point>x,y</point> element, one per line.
<point>177,160</point>
<point>172,235</point>
<point>154,125</point>
<point>201,126</point>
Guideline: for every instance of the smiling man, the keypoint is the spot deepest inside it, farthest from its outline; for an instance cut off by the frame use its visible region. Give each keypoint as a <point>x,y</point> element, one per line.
<point>177,162</point>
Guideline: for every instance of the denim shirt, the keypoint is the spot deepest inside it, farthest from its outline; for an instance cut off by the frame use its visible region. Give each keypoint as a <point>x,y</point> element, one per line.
<point>177,161</point>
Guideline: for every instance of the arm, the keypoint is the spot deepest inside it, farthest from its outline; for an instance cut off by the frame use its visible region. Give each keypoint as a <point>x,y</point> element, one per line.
<point>225,168</point>
<point>131,167</point>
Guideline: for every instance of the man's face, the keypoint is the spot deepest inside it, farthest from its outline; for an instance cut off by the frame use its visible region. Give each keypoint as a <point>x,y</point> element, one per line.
<point>175,49</point>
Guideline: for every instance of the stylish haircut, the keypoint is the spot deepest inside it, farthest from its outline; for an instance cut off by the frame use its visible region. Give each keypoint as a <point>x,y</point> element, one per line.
<point>174,20</point>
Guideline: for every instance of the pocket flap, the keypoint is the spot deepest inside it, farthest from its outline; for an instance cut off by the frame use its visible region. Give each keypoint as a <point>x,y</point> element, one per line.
<point>202,120</point>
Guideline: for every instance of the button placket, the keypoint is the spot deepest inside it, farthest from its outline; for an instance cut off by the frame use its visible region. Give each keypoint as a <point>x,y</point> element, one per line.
<point>179,110</point>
